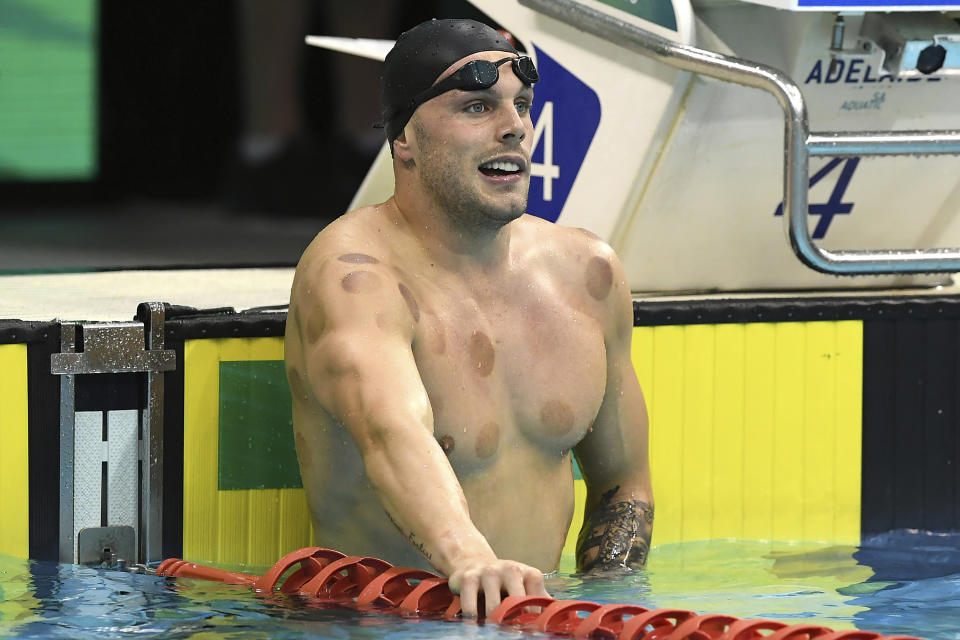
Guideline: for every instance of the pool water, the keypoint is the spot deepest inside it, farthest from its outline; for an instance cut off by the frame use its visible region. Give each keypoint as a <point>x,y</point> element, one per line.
<point>906,583</point>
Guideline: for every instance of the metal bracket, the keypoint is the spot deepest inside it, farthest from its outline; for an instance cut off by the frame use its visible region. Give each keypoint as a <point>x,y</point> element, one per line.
<point>122,347</point>
<point>110,546</point>
<point>151,496</point>
<point>113,348</point>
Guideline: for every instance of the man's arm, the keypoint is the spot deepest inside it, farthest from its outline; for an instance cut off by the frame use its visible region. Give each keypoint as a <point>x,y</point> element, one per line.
<point>362,369</point>
<point>618,518</point>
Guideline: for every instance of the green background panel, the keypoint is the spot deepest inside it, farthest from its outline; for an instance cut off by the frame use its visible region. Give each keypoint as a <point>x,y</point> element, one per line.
<point>256,449</point>
<point>48,83</point>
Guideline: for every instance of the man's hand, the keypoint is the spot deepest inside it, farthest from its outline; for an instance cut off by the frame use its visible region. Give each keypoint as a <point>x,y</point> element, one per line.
<point>494,578</point>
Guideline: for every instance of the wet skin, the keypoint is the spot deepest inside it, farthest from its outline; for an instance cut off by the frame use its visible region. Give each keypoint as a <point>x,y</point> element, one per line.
<point>447,354</point>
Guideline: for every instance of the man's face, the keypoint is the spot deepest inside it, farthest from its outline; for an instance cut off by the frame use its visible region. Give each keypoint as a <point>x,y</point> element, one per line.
<point>472,148</point>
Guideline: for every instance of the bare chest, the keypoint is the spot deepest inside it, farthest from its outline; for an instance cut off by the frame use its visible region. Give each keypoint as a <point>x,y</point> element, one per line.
<point>522,375</point>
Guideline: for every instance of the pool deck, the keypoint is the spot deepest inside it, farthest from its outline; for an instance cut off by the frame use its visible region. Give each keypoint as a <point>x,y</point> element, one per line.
<point>97,265</point>
<point>113,296</point>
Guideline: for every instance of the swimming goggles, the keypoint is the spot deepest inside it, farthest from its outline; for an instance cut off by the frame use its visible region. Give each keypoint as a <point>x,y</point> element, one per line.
<point>478,75</point>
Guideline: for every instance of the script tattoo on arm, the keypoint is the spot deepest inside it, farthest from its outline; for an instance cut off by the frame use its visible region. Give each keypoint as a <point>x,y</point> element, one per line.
<point>615,535</point>
<point>411,538</point>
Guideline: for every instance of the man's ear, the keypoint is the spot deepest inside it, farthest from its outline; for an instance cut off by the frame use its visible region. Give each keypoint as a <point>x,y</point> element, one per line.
<point>401,148</point>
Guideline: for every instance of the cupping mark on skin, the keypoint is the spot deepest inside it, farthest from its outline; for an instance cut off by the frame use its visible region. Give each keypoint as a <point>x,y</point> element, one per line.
<point>556,416</point>
<point>358,258</point>
<point>481,353</point>
<point>360,281</point>
<point>314,327</point>
<point>488,440</point>
<point>599,278</point>
<point>304,455</point>
<point>616,535</point>
<point>411,301</point>
<point>298,389</point>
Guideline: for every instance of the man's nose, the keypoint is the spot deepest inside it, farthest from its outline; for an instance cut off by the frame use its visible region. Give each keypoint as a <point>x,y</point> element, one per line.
<point>512,127</point>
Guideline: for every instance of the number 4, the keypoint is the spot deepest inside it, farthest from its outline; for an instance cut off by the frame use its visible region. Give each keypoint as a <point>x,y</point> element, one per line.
<point>547,170</point>
<point>834,206</point>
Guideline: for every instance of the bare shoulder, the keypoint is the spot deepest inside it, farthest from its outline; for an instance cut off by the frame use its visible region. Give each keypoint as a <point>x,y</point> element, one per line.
<point>346,270</point>
<point>349,235</point>
<point>574,241</point>
<point>574,253</point>
<point>582,265</point>
<point>348,244</point>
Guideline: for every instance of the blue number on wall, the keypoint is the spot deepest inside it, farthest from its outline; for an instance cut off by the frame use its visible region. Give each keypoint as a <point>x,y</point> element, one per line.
<point>566,115</point>
<point>835,205</point>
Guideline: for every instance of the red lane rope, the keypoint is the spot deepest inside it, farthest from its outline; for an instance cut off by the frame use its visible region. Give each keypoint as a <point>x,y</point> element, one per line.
<point>371,584</point>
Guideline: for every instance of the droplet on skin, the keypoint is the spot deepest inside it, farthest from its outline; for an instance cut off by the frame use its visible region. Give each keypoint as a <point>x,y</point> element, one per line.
<point>357,281</point>
<point>599,277</point>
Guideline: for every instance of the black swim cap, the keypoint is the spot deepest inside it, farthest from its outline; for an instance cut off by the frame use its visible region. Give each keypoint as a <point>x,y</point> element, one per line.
<point>418,58</point>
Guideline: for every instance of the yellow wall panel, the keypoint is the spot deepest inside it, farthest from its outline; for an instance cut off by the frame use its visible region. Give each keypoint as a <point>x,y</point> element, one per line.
<point>818,443</point>
<point>263,514</point>
<point>235,527</point>
<point>758,435</point>
<point>665,408</point>
<point>727,434</point>
<point>201,389</point>
<point>788,426</point>
<point>579,500</point>
<point>847,469</point>
<point>755,429</point>
<point>295,522</point>
<point>697,429</point>
<point>14,479</point>
<point>233,533</point>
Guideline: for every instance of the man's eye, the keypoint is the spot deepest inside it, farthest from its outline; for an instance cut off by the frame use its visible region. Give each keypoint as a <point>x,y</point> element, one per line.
<point>476,107</point>
<point>522,106</point>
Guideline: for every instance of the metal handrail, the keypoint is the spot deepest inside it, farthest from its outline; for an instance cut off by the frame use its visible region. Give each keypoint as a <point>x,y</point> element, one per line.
<point>799,143</point>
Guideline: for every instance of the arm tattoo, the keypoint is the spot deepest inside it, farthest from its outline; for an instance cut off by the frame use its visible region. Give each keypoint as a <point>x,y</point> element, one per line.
<point>411,538</point>
<point>615,534</point>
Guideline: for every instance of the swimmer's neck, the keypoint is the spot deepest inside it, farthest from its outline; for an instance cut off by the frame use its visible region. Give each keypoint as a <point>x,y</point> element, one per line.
<point>450,243</point>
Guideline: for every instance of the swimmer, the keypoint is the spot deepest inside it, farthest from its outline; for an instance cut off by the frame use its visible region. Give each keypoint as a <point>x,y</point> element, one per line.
<point>447,352</point>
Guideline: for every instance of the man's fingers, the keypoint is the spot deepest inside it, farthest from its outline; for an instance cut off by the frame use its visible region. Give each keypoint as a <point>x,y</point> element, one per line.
<point>468,596</point>
<point>491,590</point>
<point>488,584</point>
<point>513,582</point>
<point>533,584</point>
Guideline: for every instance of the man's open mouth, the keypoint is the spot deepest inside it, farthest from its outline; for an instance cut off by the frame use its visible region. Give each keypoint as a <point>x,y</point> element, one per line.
<point>499,168</point>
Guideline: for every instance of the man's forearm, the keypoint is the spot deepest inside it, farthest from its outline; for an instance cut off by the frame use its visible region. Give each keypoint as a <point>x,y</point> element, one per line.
<point>616,533</point>
<point>427,507</point>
